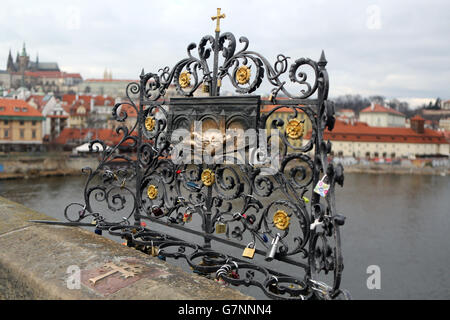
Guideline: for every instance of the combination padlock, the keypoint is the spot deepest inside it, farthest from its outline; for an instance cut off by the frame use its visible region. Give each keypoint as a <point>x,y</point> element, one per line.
<point>249,251</point>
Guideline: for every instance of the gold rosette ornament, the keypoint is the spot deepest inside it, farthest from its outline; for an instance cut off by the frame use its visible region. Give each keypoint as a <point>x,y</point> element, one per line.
<point>208,177</point>
<point>243,75</point>
<point>185,79</point>
<point>294,129</point>
<point>152,192</point>
<point>150,123</point>
<point>281,220</point>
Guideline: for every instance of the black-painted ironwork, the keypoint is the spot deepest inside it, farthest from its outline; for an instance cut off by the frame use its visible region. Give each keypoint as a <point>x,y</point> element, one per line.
<point>125,190</point>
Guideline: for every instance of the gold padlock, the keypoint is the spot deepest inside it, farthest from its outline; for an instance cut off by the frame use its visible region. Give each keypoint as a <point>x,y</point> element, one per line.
<point>249,251</point>
<point>221,227</point>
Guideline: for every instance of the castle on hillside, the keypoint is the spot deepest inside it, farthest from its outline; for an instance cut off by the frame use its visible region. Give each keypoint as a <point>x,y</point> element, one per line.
<point>37,76</point>
<point>23,63</point>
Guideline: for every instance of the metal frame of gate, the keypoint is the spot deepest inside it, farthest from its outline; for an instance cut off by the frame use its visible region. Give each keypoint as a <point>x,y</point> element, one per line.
<point>271,214</point>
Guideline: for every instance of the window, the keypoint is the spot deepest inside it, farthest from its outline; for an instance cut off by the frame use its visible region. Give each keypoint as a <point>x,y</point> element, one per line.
<point>33,134</point>
<point>2,108</point>
<point>24,109</point>
<point>21,122</point>
<point>6,122</point>
<point>22,133</point>
<point>33,122</point>
<point>16,109</point>
<point>6,133</point>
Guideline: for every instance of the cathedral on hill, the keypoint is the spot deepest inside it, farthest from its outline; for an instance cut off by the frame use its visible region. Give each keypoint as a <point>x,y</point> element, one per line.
<point>37,76</point>
<point>23,63</point>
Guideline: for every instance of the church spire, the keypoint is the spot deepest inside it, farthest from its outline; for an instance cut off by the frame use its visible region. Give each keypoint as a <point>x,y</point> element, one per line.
<point>10,64</point>
<point>24,51</point>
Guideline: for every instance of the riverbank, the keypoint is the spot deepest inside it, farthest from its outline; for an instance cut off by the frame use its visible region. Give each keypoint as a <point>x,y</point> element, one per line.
<point>25,167</point>
<point>390,169</point>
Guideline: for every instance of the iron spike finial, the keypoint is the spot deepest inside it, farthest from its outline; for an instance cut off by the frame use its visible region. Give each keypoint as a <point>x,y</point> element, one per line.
<point>142,72</point>
<point>322,61</point>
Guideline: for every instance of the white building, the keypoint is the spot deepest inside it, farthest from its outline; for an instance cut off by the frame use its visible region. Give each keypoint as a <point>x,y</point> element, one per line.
<point>379,116</point>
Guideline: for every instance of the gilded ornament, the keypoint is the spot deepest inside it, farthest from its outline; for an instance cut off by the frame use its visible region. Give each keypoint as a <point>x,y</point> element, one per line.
<point>150,123</point>
<point>281,220</point>
<point>243,75</point>
<point>185,79</point>
<point>208,177</point>
<point>152,192</point>
<point>294,129</point>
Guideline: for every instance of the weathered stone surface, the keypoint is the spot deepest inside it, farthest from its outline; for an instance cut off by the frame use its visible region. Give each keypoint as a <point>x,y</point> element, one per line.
<point>34,261</point>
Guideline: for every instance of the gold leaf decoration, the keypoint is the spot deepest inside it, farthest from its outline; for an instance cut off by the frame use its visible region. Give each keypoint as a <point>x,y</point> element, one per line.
<point>152,192</point>
<point>281,220</point>
<point>294,129</point>
<point>185,79</point>
<point>150,123</point>
<point>243,75</point>
<point>208,177</point>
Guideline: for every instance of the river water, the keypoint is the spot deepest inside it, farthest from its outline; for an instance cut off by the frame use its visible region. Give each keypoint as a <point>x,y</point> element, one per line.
<point>400,223</point>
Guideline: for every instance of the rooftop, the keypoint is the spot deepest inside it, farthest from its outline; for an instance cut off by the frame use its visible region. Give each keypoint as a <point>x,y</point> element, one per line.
<point>376,108</point>
<point>17,108</point>
<point>361,132</point>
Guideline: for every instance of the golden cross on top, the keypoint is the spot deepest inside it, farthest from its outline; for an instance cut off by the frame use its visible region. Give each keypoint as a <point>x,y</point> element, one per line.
<point>218,17</point>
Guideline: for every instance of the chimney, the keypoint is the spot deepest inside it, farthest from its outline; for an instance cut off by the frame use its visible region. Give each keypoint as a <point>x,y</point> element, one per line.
<point>417,124</point>
<point>372,105</point>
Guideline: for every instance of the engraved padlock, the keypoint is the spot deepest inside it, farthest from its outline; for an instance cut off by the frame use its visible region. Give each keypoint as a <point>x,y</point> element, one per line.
<point>273,250</point>
<point>249,251</point>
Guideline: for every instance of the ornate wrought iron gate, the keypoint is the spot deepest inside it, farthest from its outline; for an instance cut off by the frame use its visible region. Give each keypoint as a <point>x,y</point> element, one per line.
<point>270,213</point>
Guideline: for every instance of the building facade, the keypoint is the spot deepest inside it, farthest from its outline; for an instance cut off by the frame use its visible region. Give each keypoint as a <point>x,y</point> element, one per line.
<point>357,139</point>
<point>379,116</point>
<point>20,126</point>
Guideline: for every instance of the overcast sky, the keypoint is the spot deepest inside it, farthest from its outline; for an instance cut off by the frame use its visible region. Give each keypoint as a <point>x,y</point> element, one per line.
<point>398,49</point>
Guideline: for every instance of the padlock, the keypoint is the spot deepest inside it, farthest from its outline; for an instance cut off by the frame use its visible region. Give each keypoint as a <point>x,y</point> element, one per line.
<point>315,224</point>
<point>273,250</point>
<point>157,211</point>
<point>187,217</point>
<point>249,251</point>
<point>251,218</point>
<point>321,187</point>
<point>221,227</point>
<point>154,251</point>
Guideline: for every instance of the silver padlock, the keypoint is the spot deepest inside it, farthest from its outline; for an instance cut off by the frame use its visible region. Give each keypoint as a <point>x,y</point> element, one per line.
<point>315,224</point>
<point>273,250</point>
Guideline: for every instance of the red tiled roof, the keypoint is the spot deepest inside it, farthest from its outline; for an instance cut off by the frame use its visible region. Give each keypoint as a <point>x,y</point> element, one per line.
<point>72,75</point>
<point>417,117</point>
<point>101,100</point>
<point>8,107</point>
<point>361,132</point>
<point>70,98</point>
<point>38,99</point>
<point>110,80</point>
<point>51,74</point>
<point>109,136</point>
<point>379,108</point>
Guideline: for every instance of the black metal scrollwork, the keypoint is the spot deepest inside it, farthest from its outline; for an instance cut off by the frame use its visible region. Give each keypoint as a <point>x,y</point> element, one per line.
<point>239,205</point>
